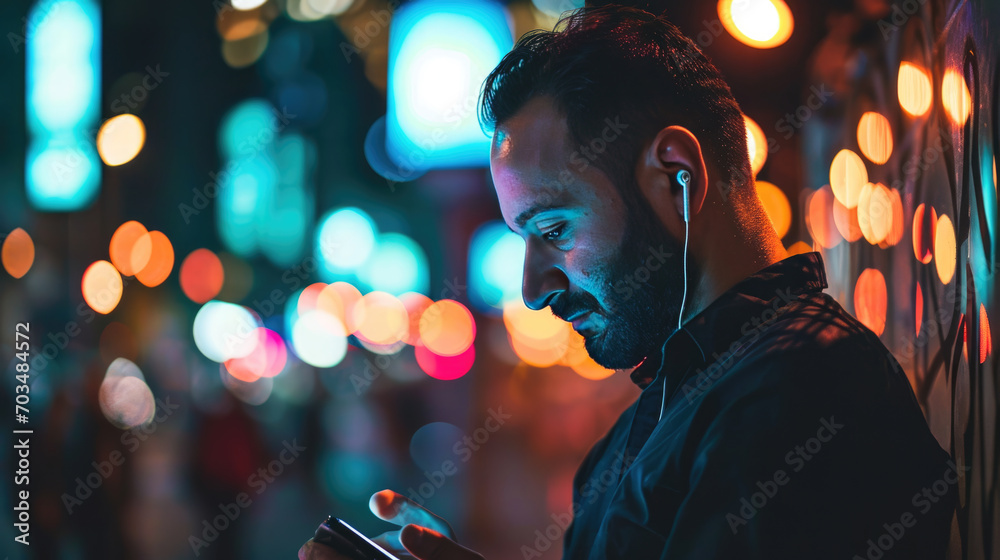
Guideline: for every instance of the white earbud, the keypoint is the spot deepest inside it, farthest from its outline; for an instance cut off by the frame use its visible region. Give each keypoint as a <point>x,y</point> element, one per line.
<point>684,178</point>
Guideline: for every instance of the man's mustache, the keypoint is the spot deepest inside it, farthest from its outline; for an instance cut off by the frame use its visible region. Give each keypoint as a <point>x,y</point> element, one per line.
<point>568,304</point>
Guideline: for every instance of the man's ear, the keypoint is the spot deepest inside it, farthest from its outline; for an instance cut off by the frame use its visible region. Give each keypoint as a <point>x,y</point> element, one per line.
<point>673,149</point>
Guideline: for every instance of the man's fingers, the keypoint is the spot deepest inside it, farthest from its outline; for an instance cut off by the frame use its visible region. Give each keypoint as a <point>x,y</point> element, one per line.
<point>389,540</point>
<point>397,508</point>
<point>428,544</point>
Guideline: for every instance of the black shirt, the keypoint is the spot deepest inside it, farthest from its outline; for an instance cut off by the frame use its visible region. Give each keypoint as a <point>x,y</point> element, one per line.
<point>789,431</point>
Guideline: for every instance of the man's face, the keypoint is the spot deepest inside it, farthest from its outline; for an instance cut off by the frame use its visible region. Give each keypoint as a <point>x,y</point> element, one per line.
<point>612,271</point>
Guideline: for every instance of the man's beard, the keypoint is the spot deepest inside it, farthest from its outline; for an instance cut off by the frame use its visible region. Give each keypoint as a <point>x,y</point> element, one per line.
<point>640,304</point>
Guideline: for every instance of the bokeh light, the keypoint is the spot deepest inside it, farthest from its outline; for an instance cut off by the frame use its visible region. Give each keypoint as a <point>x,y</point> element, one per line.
<point>434,81</point>
<point>160,262</point>
<point>223,331</point>
<point>343,301</point>
<point>102,287</point>
<point>846,220</point>
<point>385,319</point>
<point>124,397</point>
<point>898,226</point>
<point>914,89</point>
<point>919,308</point>
<point>924,224</point>
<point>62,71</point>
<point>445,368</point>
<point>985,335</point>
<point>241,53</point>
<point>819,218</point>
<point>761,24</point>
<point>267,358</point>
<point>345,240</point>
<point>120,139</point>
<point>880,212</point>
<point>955,97</point>
<point>776,204</point>
<point>397,265</point>
<point>875,137</point>
<point>848,176</point>
<point>319,339</point>
<point>201,275</point>
<point>247,4</point>
<point>756,145</point>
<point>496,263</point>
<point>945,249</point>
<point>538,337</point>
<point>870,300</point>
<point>415,304</point>
<point>18,253</point>
<point>130,248</point>
<point>447,328</point>
<point>579,360</point>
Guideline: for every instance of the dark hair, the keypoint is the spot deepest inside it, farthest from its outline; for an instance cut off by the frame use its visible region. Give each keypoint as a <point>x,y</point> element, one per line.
<point>615,62</point>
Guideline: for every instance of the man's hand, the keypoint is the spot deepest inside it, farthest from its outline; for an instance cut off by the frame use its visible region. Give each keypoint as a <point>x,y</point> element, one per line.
<point>423,535</point>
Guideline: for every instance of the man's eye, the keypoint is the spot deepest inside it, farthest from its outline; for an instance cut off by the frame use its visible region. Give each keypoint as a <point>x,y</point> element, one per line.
<point>553,234</point>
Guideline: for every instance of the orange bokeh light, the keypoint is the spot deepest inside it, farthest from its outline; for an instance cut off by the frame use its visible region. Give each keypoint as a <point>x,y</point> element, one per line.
<point>955,97</point>
<point>914,89</point>
<point>762,24</point>
<point>201,275</point>
<point>447,328</point>
<point>415,304</point>
<point>385,321</point>
<point>848,176</point>
<point>895,234</point>
<point>846,220</point>
<point>880,213</point>
<point>756,145</point>
<point>870,300</point>
<point>309,300</point>
<point>161,261</point>
<point>819,218</point>
<point>875,137</point>
<point>776,205</point>
<point>130,248</point>
<point>945,249</point>
<point>102,287</point>
<point>18,253</point>
<point>343,301</point>
<point>923,232</point>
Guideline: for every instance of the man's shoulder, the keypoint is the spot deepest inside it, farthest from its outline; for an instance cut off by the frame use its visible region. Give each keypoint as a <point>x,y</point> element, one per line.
<point>816,347</point>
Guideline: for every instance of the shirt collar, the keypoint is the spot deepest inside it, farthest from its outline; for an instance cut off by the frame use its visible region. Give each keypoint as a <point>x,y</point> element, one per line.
<point>711,332</point>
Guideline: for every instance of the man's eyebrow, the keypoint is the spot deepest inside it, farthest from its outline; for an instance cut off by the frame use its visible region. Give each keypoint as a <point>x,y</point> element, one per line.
<point>535,209</point>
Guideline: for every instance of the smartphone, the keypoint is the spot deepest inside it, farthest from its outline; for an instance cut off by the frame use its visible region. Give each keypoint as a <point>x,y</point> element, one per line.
<point>348,541</point>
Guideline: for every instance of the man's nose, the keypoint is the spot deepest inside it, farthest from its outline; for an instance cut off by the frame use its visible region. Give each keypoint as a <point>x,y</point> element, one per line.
<point>543,279</point>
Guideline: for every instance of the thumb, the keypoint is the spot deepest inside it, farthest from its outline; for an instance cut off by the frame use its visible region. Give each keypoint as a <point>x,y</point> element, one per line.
<point>428,544</point>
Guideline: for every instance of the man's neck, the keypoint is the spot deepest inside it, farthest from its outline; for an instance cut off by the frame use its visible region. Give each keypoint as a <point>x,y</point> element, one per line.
<point>726,264</point>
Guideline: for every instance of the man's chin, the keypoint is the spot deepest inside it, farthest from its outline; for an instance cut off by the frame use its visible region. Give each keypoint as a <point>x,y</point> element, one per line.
<point>604,354</point>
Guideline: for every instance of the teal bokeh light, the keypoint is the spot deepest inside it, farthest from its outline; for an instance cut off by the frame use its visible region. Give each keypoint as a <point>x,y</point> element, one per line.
<point>62,98</point>
<point>440,51</point>
<point>496,260</point>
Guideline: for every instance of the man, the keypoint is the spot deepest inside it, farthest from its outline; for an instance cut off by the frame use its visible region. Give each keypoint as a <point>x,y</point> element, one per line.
<point>771,423</point>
